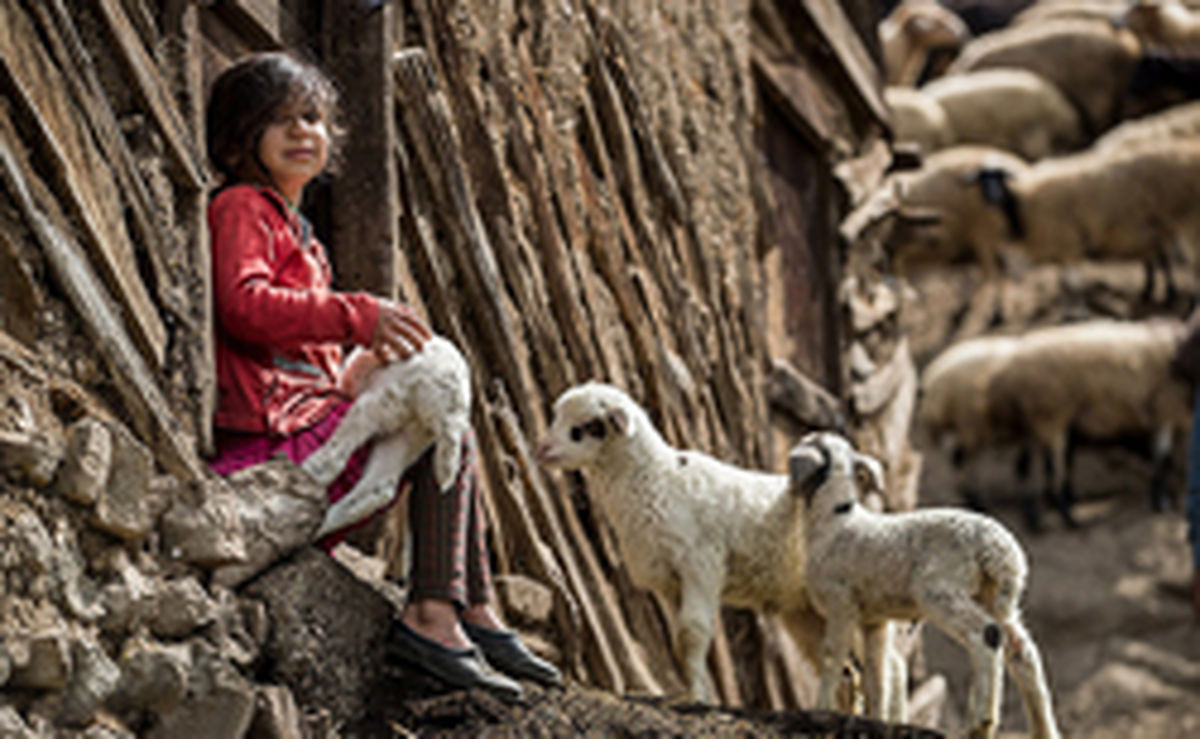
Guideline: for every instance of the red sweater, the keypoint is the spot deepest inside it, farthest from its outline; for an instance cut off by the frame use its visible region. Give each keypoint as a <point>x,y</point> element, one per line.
<point>280,327</point>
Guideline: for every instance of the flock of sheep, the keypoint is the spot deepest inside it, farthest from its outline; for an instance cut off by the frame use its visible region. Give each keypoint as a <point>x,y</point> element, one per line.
<point>1021,151</point>
<point>1066,131</point>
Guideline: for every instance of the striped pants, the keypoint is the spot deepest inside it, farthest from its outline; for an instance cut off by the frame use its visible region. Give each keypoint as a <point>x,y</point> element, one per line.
<point>449,549</point>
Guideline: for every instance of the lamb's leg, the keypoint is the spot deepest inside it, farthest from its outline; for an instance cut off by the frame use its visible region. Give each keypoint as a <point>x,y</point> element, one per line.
<point>699,601</point>
<point>355,428</point>
<point>390,457</point>
<point>895,709</point>
<point>966,622</point>
<point>841,619</point>
<point>1025,665</point>
<point>878,667</point>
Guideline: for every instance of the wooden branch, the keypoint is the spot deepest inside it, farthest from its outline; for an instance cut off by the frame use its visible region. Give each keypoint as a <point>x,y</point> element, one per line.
<point>181,20</point>
<point>154,94</point>
<point>89,93</point>
<point>40,93</point>
<point>135,382</point>
<point>662,177</point>
<point>265,21</point>
<point>432,131</point>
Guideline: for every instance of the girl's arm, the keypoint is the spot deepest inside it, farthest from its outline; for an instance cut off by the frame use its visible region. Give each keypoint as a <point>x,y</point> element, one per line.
<point>252,310</point>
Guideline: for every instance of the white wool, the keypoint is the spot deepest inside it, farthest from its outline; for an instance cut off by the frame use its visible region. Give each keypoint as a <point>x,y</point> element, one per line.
<point>695,530</point>
<point>405,408</point>
<point>961,571</point>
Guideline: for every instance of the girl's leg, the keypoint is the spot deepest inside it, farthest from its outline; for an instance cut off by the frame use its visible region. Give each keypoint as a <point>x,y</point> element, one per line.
<point>450,573</point>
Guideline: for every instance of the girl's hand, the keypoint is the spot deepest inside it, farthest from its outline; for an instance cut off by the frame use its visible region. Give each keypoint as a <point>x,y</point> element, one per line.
<point>400,332</point>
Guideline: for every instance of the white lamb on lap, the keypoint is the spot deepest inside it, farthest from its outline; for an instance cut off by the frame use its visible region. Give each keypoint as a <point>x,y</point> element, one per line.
<point>695,530</point>
<point>961,570</point>
<point>404,407</point>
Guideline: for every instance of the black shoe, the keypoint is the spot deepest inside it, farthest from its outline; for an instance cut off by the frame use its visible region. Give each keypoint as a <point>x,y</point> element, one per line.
<point>506,653</point>
<point>459,668</point>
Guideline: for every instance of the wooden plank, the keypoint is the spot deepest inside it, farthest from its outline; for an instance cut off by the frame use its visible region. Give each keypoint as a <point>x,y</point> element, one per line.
<point>181,23</point>
<point>430,127</point>
<point>135,382</point>
<point>20,296</point>
<point>365,198</point>
<point>154,94</point>
<point>831,21</point>
<point>266,22</point>
<point>41,94</point>
<point>799,97</point>
<point>85,85</point>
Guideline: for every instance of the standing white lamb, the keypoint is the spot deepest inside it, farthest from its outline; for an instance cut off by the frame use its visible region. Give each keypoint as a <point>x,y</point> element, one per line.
<point>962,571</point>
<point>695,530</point>
<point>405,407</point>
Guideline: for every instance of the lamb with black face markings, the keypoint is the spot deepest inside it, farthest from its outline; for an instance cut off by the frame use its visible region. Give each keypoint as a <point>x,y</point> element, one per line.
<point>695,530</point>
<point>962,571</point>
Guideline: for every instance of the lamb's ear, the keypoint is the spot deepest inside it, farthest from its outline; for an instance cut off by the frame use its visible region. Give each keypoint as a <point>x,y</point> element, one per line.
<point>804,464</point>
<point>868,473</point>
<point>618,418</point>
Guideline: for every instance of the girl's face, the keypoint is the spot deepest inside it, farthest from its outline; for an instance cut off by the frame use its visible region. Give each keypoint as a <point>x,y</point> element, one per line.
<point>294,148</point>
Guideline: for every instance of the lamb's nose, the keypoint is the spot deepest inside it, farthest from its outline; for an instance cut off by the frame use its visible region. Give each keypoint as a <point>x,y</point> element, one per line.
<point>542,453</point>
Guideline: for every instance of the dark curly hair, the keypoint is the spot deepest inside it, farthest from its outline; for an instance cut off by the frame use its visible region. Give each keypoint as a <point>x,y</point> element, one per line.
<point>246,96</point>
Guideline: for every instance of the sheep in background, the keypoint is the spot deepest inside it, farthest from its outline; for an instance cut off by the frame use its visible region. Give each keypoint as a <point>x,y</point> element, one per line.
<point>953,405</point>
<point>962,571</point>
<point>1010,109</point>
<point>913,34</point>
<point>917,119</point>
<point>1178,122</point>
<point>1165,27</point>
<point>1095,10</point>
<point>1142,203</point>
<point>941,215</point>
<point>405,407</point>
<point>695,530</point>
<point>1091,62</point>
<point>1100,381</point>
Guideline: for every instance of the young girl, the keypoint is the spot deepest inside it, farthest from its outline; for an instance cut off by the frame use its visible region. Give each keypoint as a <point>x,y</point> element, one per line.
<point>280,332</point>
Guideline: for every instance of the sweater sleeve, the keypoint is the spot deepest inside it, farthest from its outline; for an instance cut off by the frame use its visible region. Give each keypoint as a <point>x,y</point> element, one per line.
<point>252,308</point>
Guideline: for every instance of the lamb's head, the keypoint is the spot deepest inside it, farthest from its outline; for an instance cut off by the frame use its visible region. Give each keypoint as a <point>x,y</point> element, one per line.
<point>831,475</point>
<point>588,419</point>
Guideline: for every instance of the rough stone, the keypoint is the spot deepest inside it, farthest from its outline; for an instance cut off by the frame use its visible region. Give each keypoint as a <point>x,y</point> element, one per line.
<point>84,472</point>
<point>153,676</point>
<point>208,533</point>
<point>328,633</point>
<point>240,629</point>
<point>121,508</point>
<point>129,600</point>
<point>47,661</point>
<point>280,508</point>
<point>526,601</point>
<point>77,594</point>
<point>12,726</point>
<point>29,457</point>
<point>219,704</point>
<point>276,715</point>
<point>5,665</point>
<point>180,607</point>
<point>94,677</point>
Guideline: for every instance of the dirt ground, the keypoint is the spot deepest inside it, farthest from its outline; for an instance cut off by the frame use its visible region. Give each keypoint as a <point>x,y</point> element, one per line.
<point>1106,603</point>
